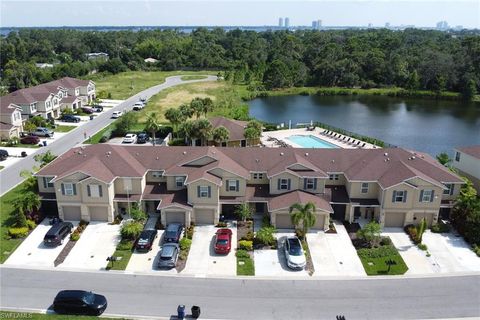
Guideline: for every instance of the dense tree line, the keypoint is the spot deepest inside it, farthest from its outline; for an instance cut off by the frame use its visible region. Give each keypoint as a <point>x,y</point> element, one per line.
<point>412,59</point>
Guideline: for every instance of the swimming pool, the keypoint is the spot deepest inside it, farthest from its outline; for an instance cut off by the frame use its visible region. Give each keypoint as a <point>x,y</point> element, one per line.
<point>311,142</point>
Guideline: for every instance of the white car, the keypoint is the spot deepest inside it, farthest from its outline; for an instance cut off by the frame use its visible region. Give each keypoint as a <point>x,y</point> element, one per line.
<point>294,253</point>
<point>117,114</point>
<point>130,138</point>
<point>138,106</point>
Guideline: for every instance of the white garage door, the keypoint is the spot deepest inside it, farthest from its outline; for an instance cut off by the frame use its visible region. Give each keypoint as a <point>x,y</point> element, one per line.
<point>72,213</point>
<point>283,221</point>
<point>174,217</point>
<point>394,219</point>
<point>204,216</point>
<point>98,213</point>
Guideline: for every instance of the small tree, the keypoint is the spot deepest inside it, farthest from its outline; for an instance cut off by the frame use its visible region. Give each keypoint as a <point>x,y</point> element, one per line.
<point>29,126</point>
<point>30,180</point>
<point>243,211</point>
<point>137,214</point>
<point>371,233</point>
<point>465,206</point>
<point>131,230</point>
<point>253,131</point>
<point>18,216</point>
<point>203,130</point>
<point>444,158</point>
<point>220,134</point>
<point>208,106</point>
<point>186,110</point>
<point>152,125</point>
<point>125,123</point>
<point>266,235</point>
<point>303,217</point>
<point>175,116</point>
<point>197,106</point>
<point>422,226</point>
<point>44,158</point>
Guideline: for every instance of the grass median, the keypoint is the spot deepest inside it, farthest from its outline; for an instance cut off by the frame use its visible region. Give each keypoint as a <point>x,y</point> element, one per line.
<point>384,260</point>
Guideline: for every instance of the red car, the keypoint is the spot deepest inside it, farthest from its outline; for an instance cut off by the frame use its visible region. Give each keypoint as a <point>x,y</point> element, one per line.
<point>223,241</point>
<point>30,140</point>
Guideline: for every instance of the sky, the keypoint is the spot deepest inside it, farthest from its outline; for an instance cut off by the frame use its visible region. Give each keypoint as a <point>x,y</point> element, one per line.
<point>425,13</point>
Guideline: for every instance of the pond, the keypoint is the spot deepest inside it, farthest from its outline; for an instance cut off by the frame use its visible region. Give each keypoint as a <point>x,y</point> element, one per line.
<point>432,126</point>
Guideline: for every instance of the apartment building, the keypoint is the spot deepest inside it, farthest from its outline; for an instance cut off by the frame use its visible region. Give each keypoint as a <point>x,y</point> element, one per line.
<point>236,129</point>
<point>198,184</point>
<point>467,162</point>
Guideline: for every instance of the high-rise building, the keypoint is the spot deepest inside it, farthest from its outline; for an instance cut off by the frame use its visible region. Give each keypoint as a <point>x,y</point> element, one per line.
<point>442,25</point>
<point>280,22</point>
<point>287,22</point>
<point>319,24</point>
<point>314,25</point>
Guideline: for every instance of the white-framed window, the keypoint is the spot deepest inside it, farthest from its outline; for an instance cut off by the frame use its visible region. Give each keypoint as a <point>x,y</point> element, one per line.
<point>364,187</point>
<point>48,104</point>
<point>94,191</point>
<point>457,156</point>
<point>258,176</point>
<point>60,95</point>
<point>333,177</point>
<point>426,196</point>
<point>283,184</point>
<point>157,174</point>
<point>47,182</point>
<point>127,184</point>
<point>69,189</point>
<point>399,196</point>
<point>179,181</point>
<point>310,183</point>
<point>203,191</point>
<point>232,185</point>
<point>55,102</point>
<point>449,189</point>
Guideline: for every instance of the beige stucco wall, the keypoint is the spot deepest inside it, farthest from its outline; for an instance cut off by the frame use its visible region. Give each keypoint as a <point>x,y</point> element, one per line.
<point>258,181</point>
<point>150,178</point>
<point>73,178</point>
<point>294,184</point>
<point>225,175</point>
<point>354,190</point>
<point>171,184</point>
<point>454,195</point>
<point>192,193</point>
<point>41,187</point>
<point>468,164</point>
<point>105,199</point>
<point>138,185</point>
<point>340,182</point>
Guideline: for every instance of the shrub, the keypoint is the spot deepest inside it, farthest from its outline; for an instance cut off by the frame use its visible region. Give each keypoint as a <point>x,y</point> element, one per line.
<point>75,236</point>
<point>221,225</point>
<point>265,235</point>
<point>83,223</point>
<point>411,230</point>
<point>183,255</point>
<point>266,221</point>
<point>189,232</point>
<point>15,233</point>
<point>245,245</point>
<point>422,246</point>
<point>476,249</point>
<point>379,252</point>
<point>31,224</point>
<point>242,254</point>
<point>131,230</point>
<point>440,227</point>
<point>385,241</point>
<point>177,142</point>
<point>137,214</point>
<point>185,244</point>
<point>249,236</point>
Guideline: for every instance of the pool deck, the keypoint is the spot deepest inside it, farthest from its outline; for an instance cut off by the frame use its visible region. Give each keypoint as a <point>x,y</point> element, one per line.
<point>269,139</point>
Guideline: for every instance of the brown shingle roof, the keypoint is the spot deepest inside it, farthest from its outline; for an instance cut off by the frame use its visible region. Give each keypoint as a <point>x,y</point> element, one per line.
<point>235,127</point>
<point>287,199</point>
<point>473,151</point>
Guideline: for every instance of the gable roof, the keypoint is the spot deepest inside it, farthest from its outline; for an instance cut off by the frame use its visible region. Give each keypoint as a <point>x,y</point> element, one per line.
<point>285,200</point>
<point>7,106</point>
<point>473,151</point>
<point>235,127</point>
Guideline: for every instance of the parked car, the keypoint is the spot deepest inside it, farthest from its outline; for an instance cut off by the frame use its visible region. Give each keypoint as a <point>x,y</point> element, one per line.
<point>3,154</point>
<point>145,240</point>
<point>70,118</point>
<point>79,302</point>
<point>43,132</point>
<point>138,106</point>
<point>173,232</point>
<point>97,108</point>
<point>294,253</point>
<point>130,138</point>
<point>30,140</point>
<point>117,114</point>
<point>55,235</point>
<point>223,241</point>
<point>87,110</point>
<point>168,256</point>
<point>142,138</point>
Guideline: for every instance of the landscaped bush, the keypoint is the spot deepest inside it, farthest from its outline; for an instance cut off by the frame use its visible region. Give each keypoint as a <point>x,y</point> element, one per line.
<point>266,221</point>
<point>185,244</point>
<point>476,249</point>
<point>15,233</point>
<point>245,245</point>
<point>131,230</point>
<point>249,236</point>
<point>266,236</point>
<point>107,135</point>
<point>31,224</point>
<point>221,225</point>
<point>242,254</point>
<point>380,252</point>
<point>411,230</point>
<point>422,246</point>
<point>440,227</point>
<point>385,241</point>
<point>189,231</point>
<point>177,142</point>
<point>75,236</point>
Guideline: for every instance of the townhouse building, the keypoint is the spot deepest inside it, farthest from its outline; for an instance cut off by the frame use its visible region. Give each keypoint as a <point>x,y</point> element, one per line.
<point>11,123</point>
<point>198,184</point>
<point>236,129</point>
<point>467,162</point>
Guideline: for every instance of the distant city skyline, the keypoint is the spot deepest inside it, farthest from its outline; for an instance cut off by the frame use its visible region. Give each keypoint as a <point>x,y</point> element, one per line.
<point>361,13</point>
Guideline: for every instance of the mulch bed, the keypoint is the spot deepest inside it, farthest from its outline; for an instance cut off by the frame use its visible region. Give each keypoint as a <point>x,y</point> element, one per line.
<point>243,228</point>
<point>64,253</point>
<point>180,265</point>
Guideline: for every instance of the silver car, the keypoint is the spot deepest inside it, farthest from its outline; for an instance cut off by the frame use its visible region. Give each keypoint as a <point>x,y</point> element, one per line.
<point>168,256</point>
<point>294,253</point>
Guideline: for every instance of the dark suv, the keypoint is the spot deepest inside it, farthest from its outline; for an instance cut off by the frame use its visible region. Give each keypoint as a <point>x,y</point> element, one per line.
<point>145,241</point>
<point>57,233</point>
<point>173,232</point>
<point>70,118</point>
<point>79,302</point>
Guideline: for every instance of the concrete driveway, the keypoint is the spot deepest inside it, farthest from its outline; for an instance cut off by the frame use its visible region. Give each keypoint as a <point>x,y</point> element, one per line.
<point>97,242</point>
<point>450,253</point>
<point>32,251</point>
<point>272,263</point>
<point>203,261</point>
<point>416,259</point>
<point>333,254</point>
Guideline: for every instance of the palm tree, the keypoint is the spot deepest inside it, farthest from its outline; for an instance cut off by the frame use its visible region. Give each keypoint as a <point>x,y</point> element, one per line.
<point>152,124</point>
<point>197,106</point>
<point>186,130</point>
<point>208,105</point>
<point>253,131</point>
<point>203,129</point>
<point>30,201</point>
<point>220,134</point>
<point>186,110</point>
<point>175,117</point>
<point>303,217</point>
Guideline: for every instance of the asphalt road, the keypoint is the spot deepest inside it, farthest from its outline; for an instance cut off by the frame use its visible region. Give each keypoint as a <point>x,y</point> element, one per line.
<point>158,296</point>
<point>10,176</point>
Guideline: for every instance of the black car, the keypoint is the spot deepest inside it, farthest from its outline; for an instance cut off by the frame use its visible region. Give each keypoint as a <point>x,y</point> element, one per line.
<point>173,232</point>
<point>3,154</point>
<point>79,302</point>
<point>70,118</point>
<point>54,237</point>
<point>145,241</point>
<point>142,138</point>
<point>87,110</point>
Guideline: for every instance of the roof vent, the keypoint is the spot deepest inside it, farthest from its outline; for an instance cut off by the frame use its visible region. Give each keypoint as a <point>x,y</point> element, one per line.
<point>281,153</point>
<point>413,157</point>
<point>384,160</point>
<point>137,153</point>
<point>388,159</point>
<point>84,155</point>
<point>157,158</point>
<point>333,160</point>
<point>257,160</point>
<point>386,154</point>
<point>184,152</point>
<point>82,147</point>
<point>80,152</point>
<point>306,154</point>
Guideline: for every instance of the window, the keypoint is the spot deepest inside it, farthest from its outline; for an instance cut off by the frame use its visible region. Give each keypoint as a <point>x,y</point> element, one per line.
<point>399,196</point>
<point>457,156</point>
<point>127,184</point>
<point>284,184</point>
<point>232,185</point>
<point>449,189</point>
<point>364,187</point>
<point>426,196</point>
<point>333,177</point>
<point>179,181</point>
<point>157,174</point>
<point>47,182</point>
<point>69,189</point>
<point>258,176</point>
<point>60,94</point>
<point>204,192</point>
<point>48,104</point>
<point>94,191</point>
<point>310,183</point>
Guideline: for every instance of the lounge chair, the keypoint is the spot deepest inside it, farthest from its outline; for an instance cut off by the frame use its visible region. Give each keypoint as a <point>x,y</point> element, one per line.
<point>348,140</point>
<point>363,145</point>
<point>358,143</point>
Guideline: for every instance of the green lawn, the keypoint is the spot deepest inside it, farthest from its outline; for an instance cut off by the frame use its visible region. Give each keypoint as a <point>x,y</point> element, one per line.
<point>21,145</point>
<point>374,261</point>
<point>124,250</point>
<point>1,167</point>
<point>41,316</point>
<point>7,246</point>
<point>64,128</point>
<point>247,268</point>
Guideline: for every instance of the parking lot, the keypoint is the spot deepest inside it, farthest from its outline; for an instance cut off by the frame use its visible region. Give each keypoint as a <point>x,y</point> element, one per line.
<point>32,252</point>
<point>97,242</point>
<point>203,261</point>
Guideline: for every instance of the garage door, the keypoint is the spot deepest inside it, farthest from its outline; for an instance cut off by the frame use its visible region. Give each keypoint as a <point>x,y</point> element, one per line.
<point>98,213</point>
<point>394,219</point>
<point>283,221</point>
<point>204,216</point>
<point>175,217</point>
<point>420,216</point>
<point>72,213</point>
<point>319,222</point>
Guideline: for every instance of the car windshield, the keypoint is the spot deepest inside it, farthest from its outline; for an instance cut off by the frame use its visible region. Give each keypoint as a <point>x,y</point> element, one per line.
<point>295,247</point>
<point>142,240</point>
<point>89,298</point>
<point>222,241</point>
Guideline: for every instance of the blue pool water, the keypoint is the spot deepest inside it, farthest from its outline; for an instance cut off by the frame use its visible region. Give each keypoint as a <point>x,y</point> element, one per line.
<point>311,142</point>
